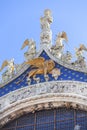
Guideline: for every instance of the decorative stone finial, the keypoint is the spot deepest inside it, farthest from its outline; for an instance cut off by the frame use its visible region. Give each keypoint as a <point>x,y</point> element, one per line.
<point>46,33</point>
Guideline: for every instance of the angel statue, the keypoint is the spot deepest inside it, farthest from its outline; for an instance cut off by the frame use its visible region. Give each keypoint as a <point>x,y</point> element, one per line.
<point>79,51</point>
<point>57,49</point>
<point>79,54</point>
<point>46,33</point>
<point>46,20</point>
<point>10,69</point>
<point>41,66</point>
<point>31,48</point>
<point>67,57</point>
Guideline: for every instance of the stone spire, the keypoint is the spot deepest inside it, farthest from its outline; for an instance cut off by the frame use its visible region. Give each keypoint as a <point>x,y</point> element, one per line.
<point>46,33</point>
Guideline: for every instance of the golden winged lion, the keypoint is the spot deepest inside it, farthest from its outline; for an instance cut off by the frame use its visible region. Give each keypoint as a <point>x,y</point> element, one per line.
<point>41,66</point>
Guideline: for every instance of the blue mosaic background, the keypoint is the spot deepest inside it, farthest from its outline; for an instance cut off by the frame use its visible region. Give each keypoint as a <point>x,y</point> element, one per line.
<point>21,81</point>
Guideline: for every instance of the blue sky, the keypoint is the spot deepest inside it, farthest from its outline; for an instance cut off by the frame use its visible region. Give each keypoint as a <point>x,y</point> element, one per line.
<point>20,19</point>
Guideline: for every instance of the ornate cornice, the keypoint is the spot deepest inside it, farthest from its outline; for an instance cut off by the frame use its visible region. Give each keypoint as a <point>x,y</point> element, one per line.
<point>43,96</point>
<point>69,87</point>
<point>65,64</point>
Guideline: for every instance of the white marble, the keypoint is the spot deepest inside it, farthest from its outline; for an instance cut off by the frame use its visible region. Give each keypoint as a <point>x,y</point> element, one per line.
<point>73,87</point>
<point>70,93</point>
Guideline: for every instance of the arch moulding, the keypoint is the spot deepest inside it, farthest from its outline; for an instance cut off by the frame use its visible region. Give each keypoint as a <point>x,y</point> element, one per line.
<point>42,96</point>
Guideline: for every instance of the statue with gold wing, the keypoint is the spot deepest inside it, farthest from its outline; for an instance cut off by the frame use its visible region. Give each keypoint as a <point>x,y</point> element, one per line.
<point>57,49</point>
<point>80,50</point>
<point>41,66</point>
<point>79,54</point>
<point>31,49</point>
<point>9,71</point>
<point>66,57</point>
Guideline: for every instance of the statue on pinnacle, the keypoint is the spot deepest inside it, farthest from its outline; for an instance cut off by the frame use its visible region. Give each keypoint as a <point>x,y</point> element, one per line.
<point>46,33</point>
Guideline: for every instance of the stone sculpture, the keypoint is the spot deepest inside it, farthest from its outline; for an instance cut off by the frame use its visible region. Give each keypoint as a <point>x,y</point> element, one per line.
<point>31,49</point>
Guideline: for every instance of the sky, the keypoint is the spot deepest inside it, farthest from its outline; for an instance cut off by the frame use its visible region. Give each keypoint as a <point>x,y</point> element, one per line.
<point>20,19</point>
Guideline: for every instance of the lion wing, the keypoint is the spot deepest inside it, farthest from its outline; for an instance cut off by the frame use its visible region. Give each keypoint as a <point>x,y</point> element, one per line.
<point>37,62</point>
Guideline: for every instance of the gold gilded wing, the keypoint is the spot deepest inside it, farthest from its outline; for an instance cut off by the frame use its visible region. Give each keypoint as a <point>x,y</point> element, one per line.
<point>5,63</point>
<point>37,62</point>
<point>64,35</point>
<point>26,42</point>
<point>32,73</point>
<point>82,47</point>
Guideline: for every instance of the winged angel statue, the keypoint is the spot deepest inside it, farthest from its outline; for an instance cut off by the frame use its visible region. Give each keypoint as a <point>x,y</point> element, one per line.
<point>79,51</point>
<point>57,49</point>
<point>31,48</point>
<point>79,54</point>
<point>10,69</point>
<point>42,66</point>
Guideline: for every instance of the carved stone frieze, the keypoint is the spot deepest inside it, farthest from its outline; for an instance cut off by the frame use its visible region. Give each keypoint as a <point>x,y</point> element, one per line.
<point>69,87</point>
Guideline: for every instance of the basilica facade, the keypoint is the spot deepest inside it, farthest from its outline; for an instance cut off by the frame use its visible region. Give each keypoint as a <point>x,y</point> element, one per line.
<point>48,91</point>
